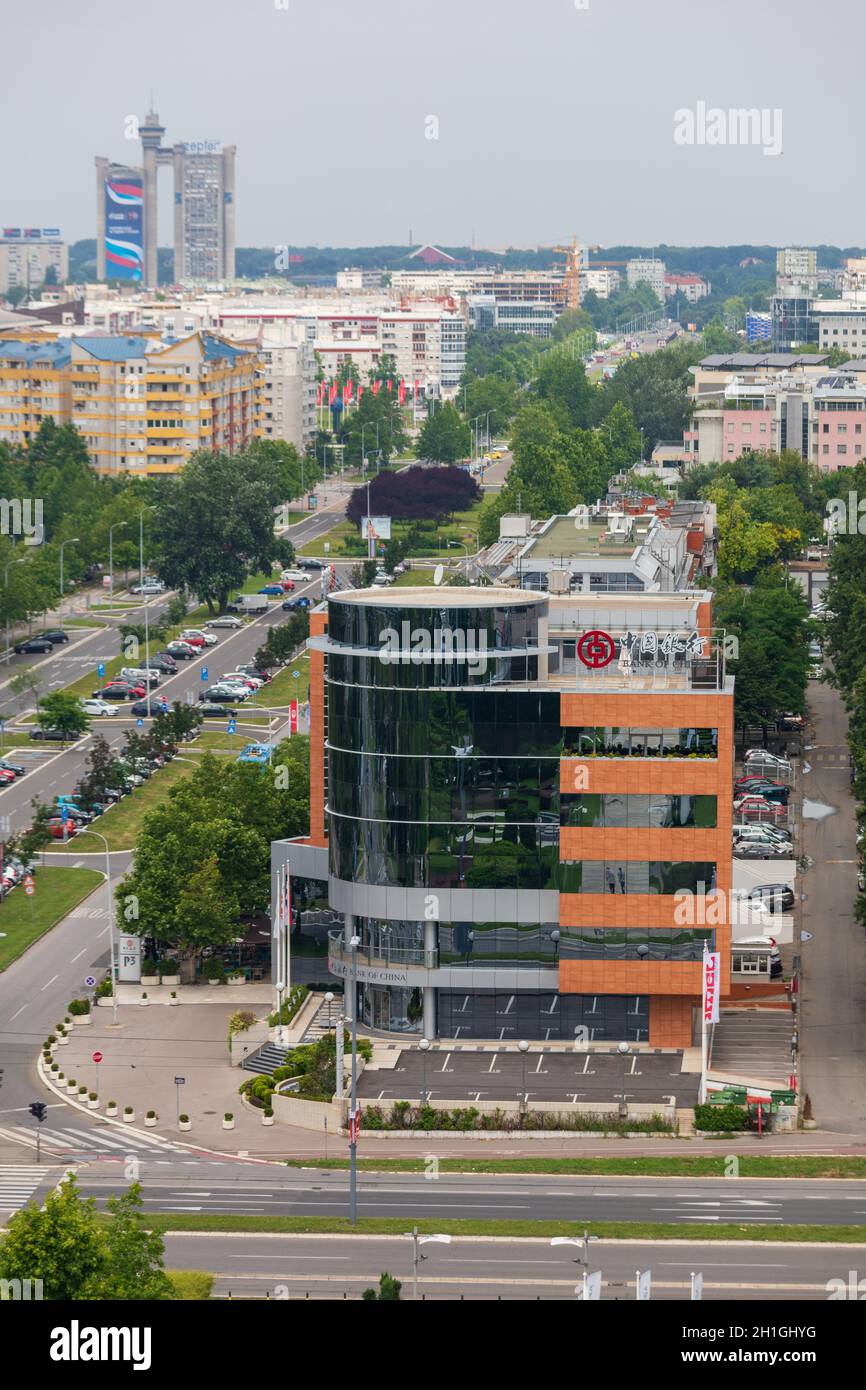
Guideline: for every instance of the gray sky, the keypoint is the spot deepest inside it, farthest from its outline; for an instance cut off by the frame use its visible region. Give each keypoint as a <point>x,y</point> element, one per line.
<point>552,120</point>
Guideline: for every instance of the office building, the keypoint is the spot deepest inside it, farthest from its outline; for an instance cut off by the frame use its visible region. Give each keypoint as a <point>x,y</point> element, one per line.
<point>520,802</point>
<point>600,281</point>
<point>28,254</point>
<point>797,266</point>
<point>204,212</point>
<point>646,270</point>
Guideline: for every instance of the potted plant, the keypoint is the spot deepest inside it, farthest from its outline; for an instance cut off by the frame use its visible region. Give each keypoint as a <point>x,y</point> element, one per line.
<point>62,1036</point>
<point>128,1114</point>
<point>149,971</point>
<point>173,999</point>
<point>169,972</point>
<point>228,1120</point>
<point>71,1084</point>
<point>184,1123</point>
<point>143,999</point>
<point>267,1116</point>
<point>237,977</point>
<point>55,1067</point>
<point>82,1092</point>
<point>80,1010</point>
<point>92,1100</point>
<point>213,971</point>
<point>68,1023</point>
<point>51,1040</point>
<point>111,1108</point>
<point>150,1119</point>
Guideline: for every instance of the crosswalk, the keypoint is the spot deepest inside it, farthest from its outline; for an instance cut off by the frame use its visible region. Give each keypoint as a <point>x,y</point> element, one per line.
<point>69,1143</point>
<point>17,1185</point>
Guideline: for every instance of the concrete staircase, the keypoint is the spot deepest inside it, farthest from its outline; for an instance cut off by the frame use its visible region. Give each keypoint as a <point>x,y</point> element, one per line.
<point>266,1060</point>
<point>753,1045</point>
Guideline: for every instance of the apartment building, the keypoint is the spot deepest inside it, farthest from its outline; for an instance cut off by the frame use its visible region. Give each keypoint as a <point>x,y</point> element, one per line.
<point>599,281</point>
<point>797,266</point>
<point>692,287</point>
<point>145,405</point>
<point>288,389</point>
<point>645,268</point>
<point>34,385</point>
<point>841,323</point>
<point>514,795</point>
<point>28,253</point>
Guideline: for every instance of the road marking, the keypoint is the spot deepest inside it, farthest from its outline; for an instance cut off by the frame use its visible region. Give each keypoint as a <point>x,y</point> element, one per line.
<point>49,982</point>
<point>20,1011</point>
<point>81,952</point>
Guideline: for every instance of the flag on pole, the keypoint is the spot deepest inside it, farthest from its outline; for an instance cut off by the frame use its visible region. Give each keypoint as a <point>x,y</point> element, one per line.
<point>332,396</point>
<point>360,393</point>
<point>390,384</point>
<point>375,388</point>
<point>347,391</point>
<point>401,392</point>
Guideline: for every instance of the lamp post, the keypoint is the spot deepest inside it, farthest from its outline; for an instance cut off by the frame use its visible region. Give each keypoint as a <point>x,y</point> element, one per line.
<point>417,1257</point>
<point>146,599</point>
<point>63,545</point>
<point>523,1048</point>
<point>101,837</point>
<point>354,942</point>
<point>623,1050</point>
<point>6,585</point>
<point>556,937</point>
<point>424,1045</point>
<point>111,531</point>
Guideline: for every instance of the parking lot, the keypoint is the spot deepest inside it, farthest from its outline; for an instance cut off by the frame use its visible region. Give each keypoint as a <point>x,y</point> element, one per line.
<point>474,1074</point>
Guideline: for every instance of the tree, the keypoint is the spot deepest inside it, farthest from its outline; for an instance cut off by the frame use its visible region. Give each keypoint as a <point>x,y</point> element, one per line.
<point>418,493</point>
<point>27,843</point>
<point>444,437</point>
<point>655,389</point>
<point>59,1244</point>
<point>133,1257</point>
<point>388,1292</point>
<point>573,321</point>
<point>64,712</point>
<point>102,772</point>
<point>216,524</point>
<point>496,395</point>
<point>562,383</point>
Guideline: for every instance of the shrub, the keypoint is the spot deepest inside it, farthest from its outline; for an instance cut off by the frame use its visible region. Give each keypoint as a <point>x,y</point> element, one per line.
<point>184,1119</point>
<point>399,1113</point>
<point>60,1076</point>
<point>228,1115</point>
<point>240,1022</point>
<point>372,1117</point>
<point>52,1039</point>
<point>721,1117</point>
<point>127,1110</point>
<point>169,967</point>
<point>54,1066</point>
<point>290,1006</point>
<point>82,1090</point>
<point>77,1007</point>
<point>92,1095</point>
<point>144,994</point>
<point>151,1114</point>
<point>103,989</point>
<point>190,1284</point>
<point>213,969</point>
<point>268,1110</point>
<point>149,966</point>
<point>112,1104</point>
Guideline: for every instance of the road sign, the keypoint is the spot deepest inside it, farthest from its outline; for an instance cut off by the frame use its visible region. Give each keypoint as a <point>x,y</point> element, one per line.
<point>296,675</point>
<point>139,723</point>
<point>90,981</point>
<point>2,726</point>
<point>164,706</point>
<point>180,1081</point>
<point>97,1057</point>
<point>232,726</point>
<point>204,673</point>
<point>100,670</point>
<point>29,886</point>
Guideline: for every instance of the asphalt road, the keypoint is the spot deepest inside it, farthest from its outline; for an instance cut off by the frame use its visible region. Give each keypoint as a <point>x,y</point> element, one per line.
<point>487,1074</point>
<point>329,1266</point>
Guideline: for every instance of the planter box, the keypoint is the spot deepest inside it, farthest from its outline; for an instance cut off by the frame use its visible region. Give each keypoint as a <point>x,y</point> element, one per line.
<point>174,1002</point>
<point>110,1110</point>
<point>150,1121</point>
<point>184,1126</point>
<point>82,1019</point>
<point>228,1124</point>
<point>62,1042</point>
<point>93,1104</point>
<point>236,979</point>
<point>144,1003</point>
<point>170,980</point>
<point>128,1119</point>
<point>267,1120</point>
<point>73,1088</point>
<point>150,979</point>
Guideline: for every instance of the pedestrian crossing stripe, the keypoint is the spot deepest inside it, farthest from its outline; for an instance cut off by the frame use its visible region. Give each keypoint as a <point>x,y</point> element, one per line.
<point>97,1140</point>
<point>17,1186</point>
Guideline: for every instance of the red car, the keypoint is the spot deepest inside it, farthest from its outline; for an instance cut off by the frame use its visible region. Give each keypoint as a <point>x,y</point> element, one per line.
<point>193,641</point>
<point>6,776</point>
<point>756,808</point>
<point>287,585</point>
<point>58,826</point>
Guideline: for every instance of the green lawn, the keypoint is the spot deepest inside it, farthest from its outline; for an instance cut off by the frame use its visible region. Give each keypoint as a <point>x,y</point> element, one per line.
<point>604,1230</point>
<point>683,1166</point>
<point>346,543</point>
<point>414,577</point>
<point>25,919</point>
<point>122,823</point>
<point>284,687</point>
<point>14,740</point>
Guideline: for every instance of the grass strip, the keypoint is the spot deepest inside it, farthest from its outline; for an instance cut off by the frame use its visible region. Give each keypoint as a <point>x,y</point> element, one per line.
<point>24,919</point>
<point>686,1166</point>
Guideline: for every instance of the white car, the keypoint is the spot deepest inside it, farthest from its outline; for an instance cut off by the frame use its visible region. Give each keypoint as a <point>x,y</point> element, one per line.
<point>240,678</point>
<point>97,707</point>
<point>227,620</point>
<point>296,576</point>
<point>210,639</point>
<point>150,586</point>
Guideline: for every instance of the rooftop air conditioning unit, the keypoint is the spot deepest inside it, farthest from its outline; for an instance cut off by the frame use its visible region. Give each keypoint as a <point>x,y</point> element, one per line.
<point>558,582</point>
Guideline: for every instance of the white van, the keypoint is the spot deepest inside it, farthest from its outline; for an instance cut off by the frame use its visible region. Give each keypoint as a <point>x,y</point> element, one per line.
<point>756,955</point>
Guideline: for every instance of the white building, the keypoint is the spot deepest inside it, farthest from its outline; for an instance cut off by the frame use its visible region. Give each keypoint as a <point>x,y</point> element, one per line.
<point>645,269</point>
<point>600,281</point>
<point>26,255</point>
<point>797,266</point>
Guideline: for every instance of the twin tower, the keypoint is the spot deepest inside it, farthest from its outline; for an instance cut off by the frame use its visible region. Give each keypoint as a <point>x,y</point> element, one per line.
<point>204,210</point>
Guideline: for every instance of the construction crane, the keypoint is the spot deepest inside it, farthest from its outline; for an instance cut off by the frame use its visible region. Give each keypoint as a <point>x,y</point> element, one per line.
<point>574,262</point>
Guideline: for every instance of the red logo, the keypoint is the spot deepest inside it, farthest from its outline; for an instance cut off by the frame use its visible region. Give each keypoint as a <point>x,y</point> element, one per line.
<point>596,649</point>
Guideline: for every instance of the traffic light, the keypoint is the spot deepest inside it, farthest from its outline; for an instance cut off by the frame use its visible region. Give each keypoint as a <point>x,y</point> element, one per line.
<point>39,1110</point>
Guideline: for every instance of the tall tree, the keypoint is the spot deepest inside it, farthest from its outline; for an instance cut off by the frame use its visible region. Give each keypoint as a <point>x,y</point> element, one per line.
<point>444,437</point>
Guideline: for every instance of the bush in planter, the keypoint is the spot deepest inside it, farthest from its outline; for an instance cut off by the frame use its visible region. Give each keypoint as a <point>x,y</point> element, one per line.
<point>112,1105</point>
<point>151,1114</point>
<point>228,1115</point>
<point>213,970</point>
<point>128,1110</point>
<point>103,989</point>
<point>82,1090</point>
<point>721,1117</point>
<point>149,966</point>
<point>169,967</point>
<point>54,1066</point>
<point>51,1040</point>
<point>79,1006</point>
<point>91,1095</point>
<point>183,1119</point>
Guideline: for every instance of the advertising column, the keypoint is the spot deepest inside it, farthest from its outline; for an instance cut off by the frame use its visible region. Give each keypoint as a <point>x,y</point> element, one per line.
<point>124,225</point>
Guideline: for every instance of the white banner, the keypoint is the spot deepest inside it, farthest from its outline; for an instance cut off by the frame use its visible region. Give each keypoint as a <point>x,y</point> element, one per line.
<point>697,1287</point>
<point>129,959</point>
<point>590,1290</point>
<point>644,1285</point>
<point>712,969</point>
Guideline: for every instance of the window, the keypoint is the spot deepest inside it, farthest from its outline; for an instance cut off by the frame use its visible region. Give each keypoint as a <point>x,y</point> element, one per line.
<point>654,877</point>
<point>588,741</point>
<point>614,809</point>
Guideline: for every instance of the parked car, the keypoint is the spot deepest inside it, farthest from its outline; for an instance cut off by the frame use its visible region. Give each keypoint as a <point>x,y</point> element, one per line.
<point>49,735</point>
<point>770,791</point>
<point>778,897</point>
<point>226,620</point>
<point>758,759</point>
<point>309,564</point>
<point>254,682</point>
<point>33,645</point>
<point>217,695</point>
<point>55,635</point>
<point>96,707</point>
<point>762,849</point>
<point>290,605</point>
<point>6,777</point>
<point>758,779</point>
<point>61,827</point>
<point>163,662</point>
<point>76,814</point>
<point>211,709</point>
<point>150,586</point>
<point>140,710</point>
<point>190,634</point>
<point>816,673</point>
<point>140,675</point>
<point>120,690</point>
<point>296,576</point>
<point>197,642</point>
<point>255,671</point>
<point>235,689</point>
<point>183,650</point>
<point>17,768</point>
<point>753,804</point>
<point>273,590</point>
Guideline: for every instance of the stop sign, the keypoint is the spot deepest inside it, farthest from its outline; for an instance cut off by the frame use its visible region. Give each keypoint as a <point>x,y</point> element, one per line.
<point>97,1057</point>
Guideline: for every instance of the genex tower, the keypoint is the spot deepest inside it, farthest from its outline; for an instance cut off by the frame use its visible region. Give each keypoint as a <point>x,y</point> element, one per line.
<point>204,214</point>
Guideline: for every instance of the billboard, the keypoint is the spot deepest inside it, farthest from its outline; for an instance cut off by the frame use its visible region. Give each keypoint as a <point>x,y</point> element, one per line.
<point>124,226</point>
<point>377,527</point>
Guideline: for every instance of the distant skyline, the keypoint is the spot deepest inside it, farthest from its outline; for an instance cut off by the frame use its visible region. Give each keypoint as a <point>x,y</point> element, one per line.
<point>549,120</point>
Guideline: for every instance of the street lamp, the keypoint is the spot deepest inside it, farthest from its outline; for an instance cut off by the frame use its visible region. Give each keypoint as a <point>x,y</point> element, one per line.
<point>555,937</point>
<point>582,1242</point>
<point>416,1254</point>
<point>111,531</point>
<point>354,942</point>
<point>523,1048</point>
<point>114,981</point>
<point>63,545</point>
<point>424,1045</point>
<point>281,1035</point>
<point>623,1050</point>
<point>6,584</point>
<point>146,599</point>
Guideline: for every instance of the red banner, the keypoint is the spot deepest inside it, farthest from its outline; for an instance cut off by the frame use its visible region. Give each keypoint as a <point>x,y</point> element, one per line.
<point>293,716</point>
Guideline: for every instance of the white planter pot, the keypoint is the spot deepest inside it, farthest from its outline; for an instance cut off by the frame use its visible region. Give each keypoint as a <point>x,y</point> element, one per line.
<point>174,1002</point>
<point>150,1121</point>
<point>83,1019</point>
<point>111,1110</point>
<point>150,979</point>
<point>144,1003</point>
<point>62,1042</point>
<point>184,1126</point>
<point>170,980</point>
<point>72,1087</point>
<point>267,1120</point>
<point>70,1025</point>
<point>93,1104</point>
<point>128,1119</point>
<point>236,980</point>
<point>228,1124</point>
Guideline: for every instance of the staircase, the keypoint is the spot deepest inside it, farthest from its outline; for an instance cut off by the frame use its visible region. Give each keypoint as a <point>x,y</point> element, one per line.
<point>266,1060</point>
<point>324,1021</point>
<point>755,1045</point>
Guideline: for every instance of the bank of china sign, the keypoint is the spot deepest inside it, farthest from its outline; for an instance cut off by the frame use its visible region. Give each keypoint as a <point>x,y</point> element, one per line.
<point>370,974</point>
<point>597,648</point>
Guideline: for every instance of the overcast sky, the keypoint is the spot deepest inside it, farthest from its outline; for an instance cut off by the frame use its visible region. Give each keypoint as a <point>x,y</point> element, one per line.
<point>552,119</point>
